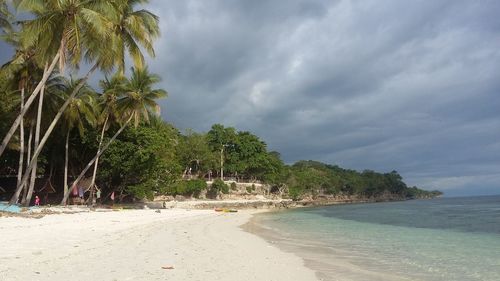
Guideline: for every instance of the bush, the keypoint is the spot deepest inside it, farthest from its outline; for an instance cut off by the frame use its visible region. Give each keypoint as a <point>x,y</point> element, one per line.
<point>194,187</point>
<point>180,188</point>
<point>233,186</point>
<point>141,191</point>
<point>188,188</point>
<point>295,192</point>
<point>251,189</point>
<point>220,185</point>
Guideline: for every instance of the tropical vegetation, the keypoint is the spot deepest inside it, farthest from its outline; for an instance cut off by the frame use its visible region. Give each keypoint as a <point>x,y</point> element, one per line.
<point>60,133</point>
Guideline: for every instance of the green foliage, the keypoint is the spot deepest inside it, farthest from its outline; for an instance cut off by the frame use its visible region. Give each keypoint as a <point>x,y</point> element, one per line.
<point>188,188</point>
<point>244,154</point>
<point>194,152</point>
<point>233,186</point>
<point>416,193</point>
<point>143,158</point>
<point>220,186</point>
<point>142,190</point>
<point>251,188</point>
<point>311,177</point>
<point>5,16</point>
<point>295,192</point>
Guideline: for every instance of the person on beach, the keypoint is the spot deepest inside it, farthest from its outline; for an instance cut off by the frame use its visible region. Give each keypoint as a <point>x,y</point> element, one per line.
<point>112,197</point>
<point>98,195</point>
<point>37,200</point>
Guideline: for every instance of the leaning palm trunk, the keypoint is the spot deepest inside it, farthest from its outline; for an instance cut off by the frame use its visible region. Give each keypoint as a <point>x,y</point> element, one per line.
<point>94,174</point>
<point>28,103</point>
<point>82,174</point>
<point>66,148</point>
<point>39,148</point>
<point>21,142</point>
<point>28,158</point>
<point>27,199</point>
<point>30,139</point>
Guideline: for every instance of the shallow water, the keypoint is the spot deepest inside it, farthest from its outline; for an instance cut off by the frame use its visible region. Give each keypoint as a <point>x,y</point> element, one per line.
<point>440,239</point>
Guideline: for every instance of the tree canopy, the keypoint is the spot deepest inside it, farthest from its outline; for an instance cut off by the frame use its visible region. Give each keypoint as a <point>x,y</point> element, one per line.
<point>116,128</point>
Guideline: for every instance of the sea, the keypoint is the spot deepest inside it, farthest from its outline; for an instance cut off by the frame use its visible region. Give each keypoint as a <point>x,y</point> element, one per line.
<point>437,239</point>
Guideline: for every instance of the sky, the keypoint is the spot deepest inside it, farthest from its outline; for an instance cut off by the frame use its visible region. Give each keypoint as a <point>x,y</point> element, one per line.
<point>412,86</point>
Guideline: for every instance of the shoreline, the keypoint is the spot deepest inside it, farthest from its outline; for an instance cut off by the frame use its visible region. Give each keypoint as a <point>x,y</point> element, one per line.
<point>327,262</point>
<point>342,247</point>
<point>136,244</point>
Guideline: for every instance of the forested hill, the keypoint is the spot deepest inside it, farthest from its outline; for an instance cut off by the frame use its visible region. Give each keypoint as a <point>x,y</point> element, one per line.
<point>61,136</point>
<point>156,159</point>
<point>312,177</point>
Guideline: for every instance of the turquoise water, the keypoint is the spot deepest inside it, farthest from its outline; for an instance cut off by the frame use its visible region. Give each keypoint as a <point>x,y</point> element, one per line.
<point>440,239</point>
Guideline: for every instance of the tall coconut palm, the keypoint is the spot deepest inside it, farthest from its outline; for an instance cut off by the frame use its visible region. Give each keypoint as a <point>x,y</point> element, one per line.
<point>63,31</point>
<point>50,98</point>
<point>133,29</point>
<point>136,104</point>
<point>75,26</point>
<point>102,52</point>
<point>81,110</point>
<point>23,72</point>
<point>112,90</point>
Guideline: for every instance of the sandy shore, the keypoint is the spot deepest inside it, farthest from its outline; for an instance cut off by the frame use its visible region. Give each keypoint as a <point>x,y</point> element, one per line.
<point>136,244</point>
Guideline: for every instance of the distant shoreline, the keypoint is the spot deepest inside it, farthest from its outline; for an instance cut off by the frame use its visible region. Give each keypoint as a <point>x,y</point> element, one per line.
<point>196,204</point>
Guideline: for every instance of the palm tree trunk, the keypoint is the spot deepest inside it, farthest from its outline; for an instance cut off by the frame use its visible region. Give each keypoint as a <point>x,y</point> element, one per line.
<point>82,174</point>
<point>66,148</point>
<point>50,129</point>
<point>28,158</point>
<point>94,175</point>
<point>28,103</point>
<point>27,200</point>
<point>21,142</point>
<point>30,139</point>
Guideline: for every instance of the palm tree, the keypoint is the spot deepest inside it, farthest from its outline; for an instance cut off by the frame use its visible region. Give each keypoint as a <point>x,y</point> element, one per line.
<point>81,110</point>
<point>5,16</point>
<point>22,71</point>
<point>134,28</point>
<point>63,31</point>
<point>136,104</point>
<point>74,26</point>
<point>112,89</point>
<point>102,52</point>
<point>51,103</point>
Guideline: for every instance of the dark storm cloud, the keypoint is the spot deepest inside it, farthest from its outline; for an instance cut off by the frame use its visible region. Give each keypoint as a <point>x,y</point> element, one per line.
<point>405,85</point>
<point>383,85</point>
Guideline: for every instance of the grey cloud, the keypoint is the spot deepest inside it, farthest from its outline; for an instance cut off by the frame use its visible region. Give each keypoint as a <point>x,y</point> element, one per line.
<point>411,86</point>
<point>383,85</point>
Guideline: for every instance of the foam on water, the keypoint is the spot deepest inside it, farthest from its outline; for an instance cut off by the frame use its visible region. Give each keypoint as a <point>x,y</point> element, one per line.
<point>445,239</point>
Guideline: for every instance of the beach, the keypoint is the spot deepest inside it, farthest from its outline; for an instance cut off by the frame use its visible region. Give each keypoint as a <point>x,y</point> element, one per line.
<point>175,244</point>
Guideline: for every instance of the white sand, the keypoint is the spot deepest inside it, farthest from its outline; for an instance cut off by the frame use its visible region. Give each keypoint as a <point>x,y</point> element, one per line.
<point>134,245</point>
